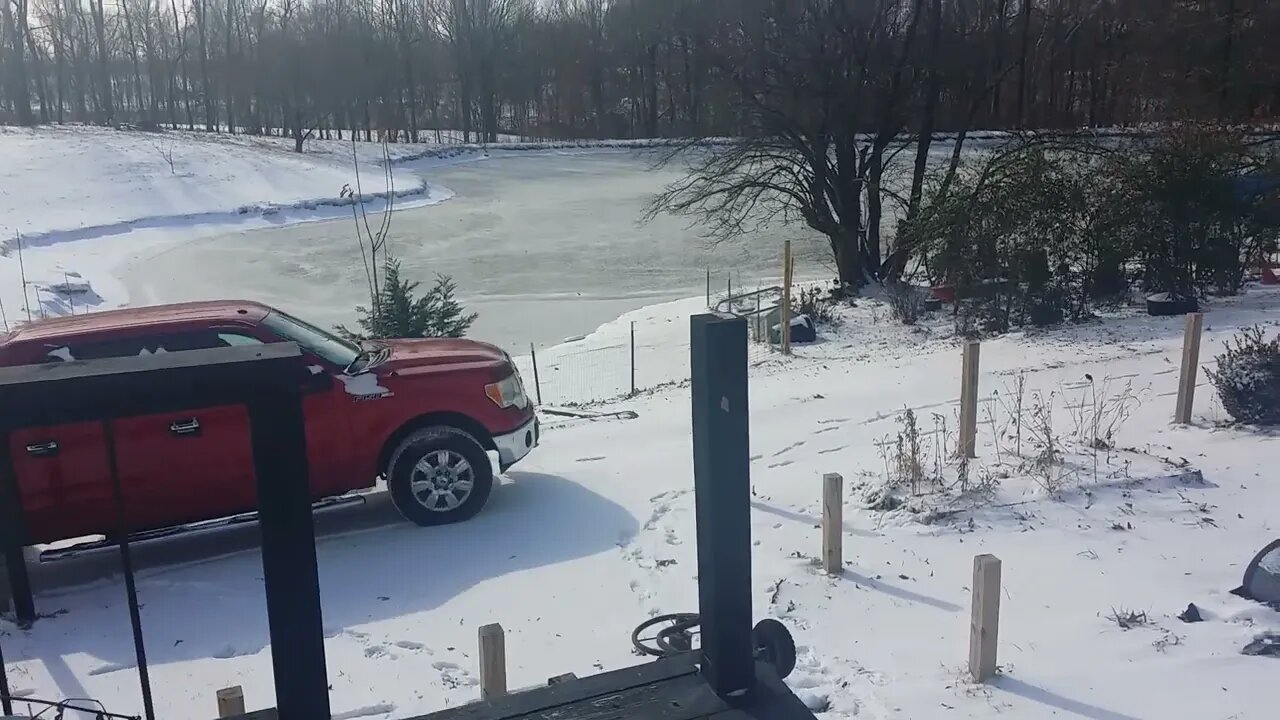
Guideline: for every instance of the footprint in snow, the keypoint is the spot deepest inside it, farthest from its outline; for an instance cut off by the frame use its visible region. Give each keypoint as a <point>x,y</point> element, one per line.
<point>828,428</point>
<point>591,459</point>
<point>410,645</point>
<point>784,463</point>
<point>789,448</point>
<point>831,450</point>
<point>452,675</point>
<point>377,651</point>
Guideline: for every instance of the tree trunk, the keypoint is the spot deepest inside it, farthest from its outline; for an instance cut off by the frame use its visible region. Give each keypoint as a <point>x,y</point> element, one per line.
<point>133,56</point>
<point>846,247</point>
<point>79,106</point>
<point>1024,59</point>
<point>998,66</point>
<point>58,35</point>
<point>874,168</point>
<point>186,73</point>
<point>229,69</point>
<point>18,84</point>
<point>897,262</point>
<point>210,119</point>
<point>409,88</point>
<point>106,100</point>
<point>42,84</point>
<point>1224,73</point>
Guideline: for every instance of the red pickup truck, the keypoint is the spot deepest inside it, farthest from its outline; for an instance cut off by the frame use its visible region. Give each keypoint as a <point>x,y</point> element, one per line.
<point>424,414</point>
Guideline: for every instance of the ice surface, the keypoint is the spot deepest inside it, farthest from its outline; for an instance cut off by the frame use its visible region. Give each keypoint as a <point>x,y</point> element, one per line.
<point>542,246</point>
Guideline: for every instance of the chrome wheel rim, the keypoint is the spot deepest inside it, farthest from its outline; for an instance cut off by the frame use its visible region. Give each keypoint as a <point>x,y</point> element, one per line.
<point>442,480</point>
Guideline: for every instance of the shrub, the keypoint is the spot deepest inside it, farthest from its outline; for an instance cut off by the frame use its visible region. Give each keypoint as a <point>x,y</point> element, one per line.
<point>817,304</point>
<point>1192,221</point>
<point>1248,378</point>
<point>1042,230</point>
<point>906,302</point>
<point>397,313</point>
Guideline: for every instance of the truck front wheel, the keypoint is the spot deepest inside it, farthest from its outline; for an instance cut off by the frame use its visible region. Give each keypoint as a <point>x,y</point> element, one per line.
<point>439,475</point>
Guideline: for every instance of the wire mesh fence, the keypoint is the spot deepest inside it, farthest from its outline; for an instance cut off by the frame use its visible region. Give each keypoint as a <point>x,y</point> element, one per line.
<point>628,357</point>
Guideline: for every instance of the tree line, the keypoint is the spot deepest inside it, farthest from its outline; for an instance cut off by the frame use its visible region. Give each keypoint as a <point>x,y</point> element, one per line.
<point>407,69</point>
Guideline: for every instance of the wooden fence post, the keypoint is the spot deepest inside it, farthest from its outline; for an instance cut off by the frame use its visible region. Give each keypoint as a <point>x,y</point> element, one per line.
<point>493,662</point>
<point>832,523</point>
<point>537,386</point>
<point>969,400</point>
<point>1190,363</point>
<point>984,624</point>
<point>784,312</point>
<point>230,701</point>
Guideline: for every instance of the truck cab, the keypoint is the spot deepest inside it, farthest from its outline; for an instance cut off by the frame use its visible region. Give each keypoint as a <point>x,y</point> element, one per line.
<point>424,414</point>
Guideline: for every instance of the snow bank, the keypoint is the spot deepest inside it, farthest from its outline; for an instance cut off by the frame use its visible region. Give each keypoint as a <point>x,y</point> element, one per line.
<point>92,180</point>
<point>124,190</point>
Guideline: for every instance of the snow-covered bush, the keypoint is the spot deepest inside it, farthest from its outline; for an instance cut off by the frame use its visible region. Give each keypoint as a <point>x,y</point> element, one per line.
<point>1248,378</point>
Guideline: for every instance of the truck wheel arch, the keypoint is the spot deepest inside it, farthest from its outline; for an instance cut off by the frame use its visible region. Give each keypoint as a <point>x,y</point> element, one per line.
<point>437,419</point>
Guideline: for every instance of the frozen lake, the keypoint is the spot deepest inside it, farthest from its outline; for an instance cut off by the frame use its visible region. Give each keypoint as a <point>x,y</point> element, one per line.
<point>544,246</point>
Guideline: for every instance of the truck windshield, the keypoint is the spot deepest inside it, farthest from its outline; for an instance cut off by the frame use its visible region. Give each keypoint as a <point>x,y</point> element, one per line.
<point>328,346</point>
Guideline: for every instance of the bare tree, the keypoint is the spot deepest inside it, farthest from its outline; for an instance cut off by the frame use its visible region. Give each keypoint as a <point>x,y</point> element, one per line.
<point>13,13</point>
<point>804,90</point>
<point>631,68</point>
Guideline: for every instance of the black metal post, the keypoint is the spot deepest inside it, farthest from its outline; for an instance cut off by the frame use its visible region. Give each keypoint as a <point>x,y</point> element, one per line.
<point>6,707</point>
<point>290,576</point>
<point>633,357</point>
<point>722,485</point>
<point>12,526</point>
<point>126,566</point>
<point>537,386</point>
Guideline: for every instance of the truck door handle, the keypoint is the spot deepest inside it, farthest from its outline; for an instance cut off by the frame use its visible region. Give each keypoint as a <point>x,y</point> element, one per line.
<point>190,426</point>
<point>44,449</point>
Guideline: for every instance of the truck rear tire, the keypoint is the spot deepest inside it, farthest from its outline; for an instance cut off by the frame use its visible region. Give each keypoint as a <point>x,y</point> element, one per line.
<point>439,475</point>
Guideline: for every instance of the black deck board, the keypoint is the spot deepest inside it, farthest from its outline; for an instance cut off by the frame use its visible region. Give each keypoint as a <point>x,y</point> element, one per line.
<point>668,689</point>
<point>582,690</point>
<point>86,390</point>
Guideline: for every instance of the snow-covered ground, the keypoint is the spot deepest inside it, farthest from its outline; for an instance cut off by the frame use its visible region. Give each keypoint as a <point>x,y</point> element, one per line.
<point>594,532</point>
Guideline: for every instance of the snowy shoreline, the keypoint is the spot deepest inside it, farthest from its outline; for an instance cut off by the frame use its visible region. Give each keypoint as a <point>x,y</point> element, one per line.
<point>75,201</point>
